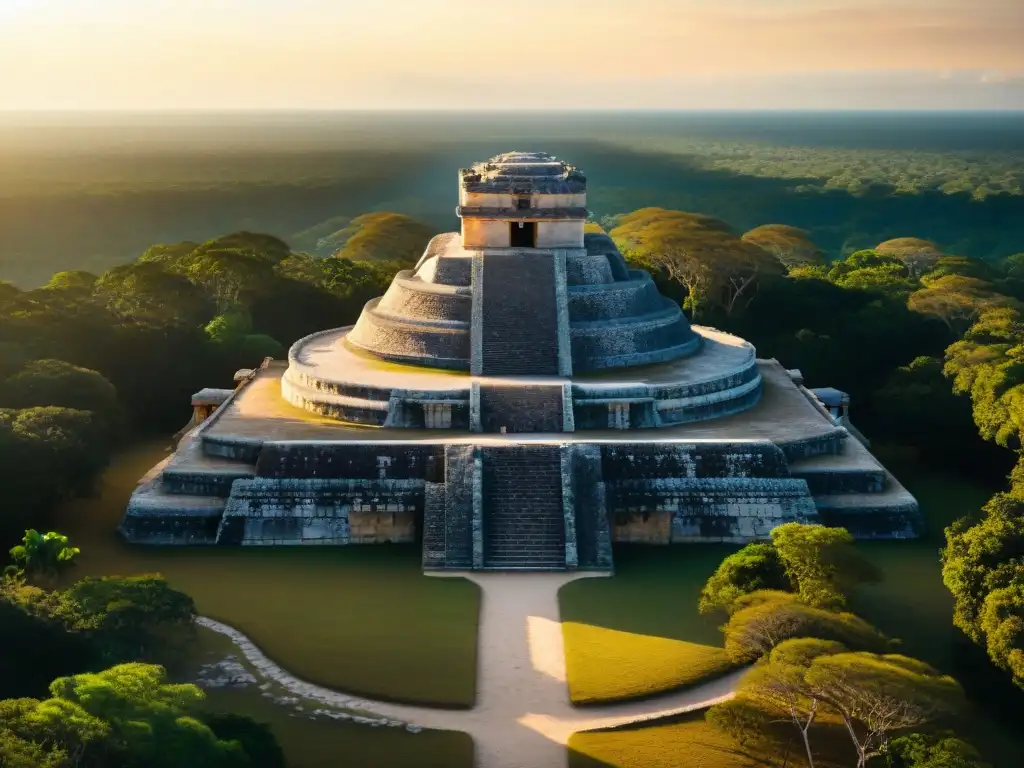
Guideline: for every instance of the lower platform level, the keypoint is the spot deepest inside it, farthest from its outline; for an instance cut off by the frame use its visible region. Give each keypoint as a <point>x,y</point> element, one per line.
<point>522,502</point>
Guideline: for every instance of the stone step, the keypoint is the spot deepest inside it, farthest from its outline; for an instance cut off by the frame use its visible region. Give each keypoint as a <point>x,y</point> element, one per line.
<point>524,524</point>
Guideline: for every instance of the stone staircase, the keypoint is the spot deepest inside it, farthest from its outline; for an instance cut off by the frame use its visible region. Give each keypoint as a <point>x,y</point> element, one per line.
<point>523,518</point>
<point>853,490</point>
<point>522,407</point>
<point>519,331</point>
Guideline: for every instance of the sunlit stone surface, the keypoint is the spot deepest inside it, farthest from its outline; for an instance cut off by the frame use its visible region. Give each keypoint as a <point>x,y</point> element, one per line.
<point>519,400</point>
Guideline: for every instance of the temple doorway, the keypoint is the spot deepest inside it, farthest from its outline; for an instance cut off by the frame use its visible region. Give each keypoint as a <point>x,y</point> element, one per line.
<point>523,234</point>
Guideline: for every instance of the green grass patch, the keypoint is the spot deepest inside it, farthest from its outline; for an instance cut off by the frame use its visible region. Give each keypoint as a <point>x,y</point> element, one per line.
<point>318,742</point>
<point>638,633</point>
<point>323,743</point>
<point>359,619</point>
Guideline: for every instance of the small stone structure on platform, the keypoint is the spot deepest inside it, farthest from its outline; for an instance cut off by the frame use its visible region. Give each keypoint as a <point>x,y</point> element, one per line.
<point>521,399</point>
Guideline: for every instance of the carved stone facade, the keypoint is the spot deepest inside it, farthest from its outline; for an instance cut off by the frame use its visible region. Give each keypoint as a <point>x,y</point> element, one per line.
<point>519,400</point>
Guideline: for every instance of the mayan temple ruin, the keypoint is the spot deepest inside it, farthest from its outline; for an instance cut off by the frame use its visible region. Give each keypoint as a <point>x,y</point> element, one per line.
<point>521,399</point>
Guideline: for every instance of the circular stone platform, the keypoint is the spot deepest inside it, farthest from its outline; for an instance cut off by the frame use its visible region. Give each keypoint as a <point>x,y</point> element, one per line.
<point>330,377</point>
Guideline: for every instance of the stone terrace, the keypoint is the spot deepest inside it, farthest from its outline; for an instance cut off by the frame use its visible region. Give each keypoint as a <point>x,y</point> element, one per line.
<point>258,413</point>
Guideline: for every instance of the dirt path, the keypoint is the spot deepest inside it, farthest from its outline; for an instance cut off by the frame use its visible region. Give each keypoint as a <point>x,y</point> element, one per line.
<point>523,717</point>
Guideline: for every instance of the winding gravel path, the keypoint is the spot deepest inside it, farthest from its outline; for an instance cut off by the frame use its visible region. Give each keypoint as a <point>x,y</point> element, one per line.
<point>522,717</point>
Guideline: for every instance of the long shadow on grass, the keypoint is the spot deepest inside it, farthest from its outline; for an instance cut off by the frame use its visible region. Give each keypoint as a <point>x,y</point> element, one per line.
<point>639,634</point>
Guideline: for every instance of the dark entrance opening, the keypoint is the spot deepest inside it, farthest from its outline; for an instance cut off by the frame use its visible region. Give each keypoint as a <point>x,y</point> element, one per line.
<point>523,234</point>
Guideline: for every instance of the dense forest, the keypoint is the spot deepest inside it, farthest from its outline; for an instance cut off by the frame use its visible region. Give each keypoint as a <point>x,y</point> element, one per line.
<point>91,195</point>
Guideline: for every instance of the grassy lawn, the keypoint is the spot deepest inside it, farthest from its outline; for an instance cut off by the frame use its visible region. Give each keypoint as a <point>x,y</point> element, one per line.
<point>359,619</point>
<point>326,743</point>
<point>638,633</point>
<point>689,741</point>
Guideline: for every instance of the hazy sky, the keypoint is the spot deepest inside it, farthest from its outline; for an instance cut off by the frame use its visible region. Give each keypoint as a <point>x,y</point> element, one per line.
<point>668,54</point>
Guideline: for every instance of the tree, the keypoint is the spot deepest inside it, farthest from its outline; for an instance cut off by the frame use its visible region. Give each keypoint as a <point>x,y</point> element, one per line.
<point>983,567</point>
<point>132,618</point>
<point>56,383</point>
<point>1002,622</point>
<point>878,695</point>
<point>955,300</point>
<point>141,719</point>
<point>146,292</point>
<point>943,750</point>
<point>791,246</point>
<point>703,254</point>
<point>821,562</point>
<point>44,554</point>
<point>777,688</point>
<point>755,567</point>
<point>762,620</point>
<point>77,282</point>
<point>381,236</point>
<point>960,265</point>
<point>61,451</point>
<point>917,255</point>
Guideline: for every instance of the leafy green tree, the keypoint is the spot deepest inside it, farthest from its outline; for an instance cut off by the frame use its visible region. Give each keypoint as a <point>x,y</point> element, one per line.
<point>917,255</point>
<point>56,383</point>
<point>988,364</point>
<point>943,750</point>
<point>60,452</point>
<point>44,555</point>
<point>955,300</point>
<point>755,567</point>
<point>37,644</point>
<point>821,562</point>
<point>77,282</point>
<point>380,236</point>
<point>963,266</point>
<point>137,618</point>
<point>762,620</point>
<point>146,292</point>
<point>776,690</point>
<point>1002,622</point>
<point>880,695</point>
<point>142,720</point>
<point>717,268</point>
<point>983,567</point>
<point>792,246</point>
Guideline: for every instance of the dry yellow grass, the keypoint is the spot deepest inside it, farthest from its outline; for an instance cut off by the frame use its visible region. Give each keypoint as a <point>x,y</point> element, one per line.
<point>608,665</point>
<point>689,741</point>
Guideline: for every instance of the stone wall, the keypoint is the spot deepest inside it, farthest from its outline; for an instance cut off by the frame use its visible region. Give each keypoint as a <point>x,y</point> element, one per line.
<point>630,462</point>
<point>274,511</point>
<point>689,509</point>
<point>614,300</point>
<point>369,460</point>
<point>593,534</point>
<point>655,337</point>
<point>415,299</point>
<point>442,343</point>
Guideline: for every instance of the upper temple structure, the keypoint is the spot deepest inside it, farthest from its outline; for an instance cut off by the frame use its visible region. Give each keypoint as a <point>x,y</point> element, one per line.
<point>521,399</point>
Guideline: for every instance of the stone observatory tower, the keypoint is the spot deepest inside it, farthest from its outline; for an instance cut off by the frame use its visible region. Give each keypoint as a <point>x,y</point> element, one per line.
<point>519,400</point>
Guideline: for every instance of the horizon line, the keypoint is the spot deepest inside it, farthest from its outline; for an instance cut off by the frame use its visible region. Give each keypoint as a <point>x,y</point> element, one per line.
<point>499,110</point>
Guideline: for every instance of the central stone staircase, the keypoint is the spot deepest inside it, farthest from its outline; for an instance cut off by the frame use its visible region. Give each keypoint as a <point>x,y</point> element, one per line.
<point>519,316</point>
<point>524,522</point>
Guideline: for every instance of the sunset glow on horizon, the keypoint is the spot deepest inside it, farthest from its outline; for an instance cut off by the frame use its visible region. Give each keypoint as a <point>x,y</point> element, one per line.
<point>542,54</point>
